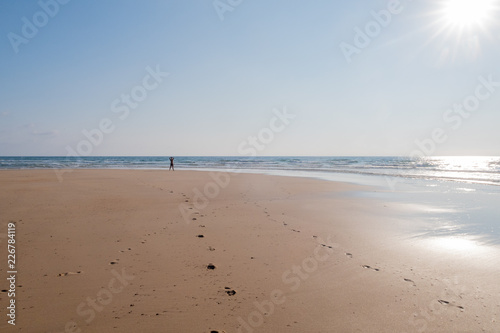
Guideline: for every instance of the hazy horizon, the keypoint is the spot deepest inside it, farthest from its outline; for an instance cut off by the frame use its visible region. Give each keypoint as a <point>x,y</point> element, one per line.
<point>167,155</point>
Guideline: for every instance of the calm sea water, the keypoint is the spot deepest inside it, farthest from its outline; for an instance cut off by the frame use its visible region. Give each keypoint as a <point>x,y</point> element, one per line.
<point>483,170</point>
<point>460,195</point>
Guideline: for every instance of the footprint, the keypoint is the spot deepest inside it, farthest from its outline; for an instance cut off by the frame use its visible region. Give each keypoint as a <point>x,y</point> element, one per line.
<point>211,248</point>
<point>69,273</point>
<point>408,280</point>
<point>370,267</point>
<point>230,292</point>
<point>442,301</point>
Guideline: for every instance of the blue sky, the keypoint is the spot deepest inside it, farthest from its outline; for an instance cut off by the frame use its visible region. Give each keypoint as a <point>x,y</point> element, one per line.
<point>225,77</point>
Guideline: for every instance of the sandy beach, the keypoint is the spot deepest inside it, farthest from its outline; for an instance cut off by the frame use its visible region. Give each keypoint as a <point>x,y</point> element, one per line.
<point>191,251</point>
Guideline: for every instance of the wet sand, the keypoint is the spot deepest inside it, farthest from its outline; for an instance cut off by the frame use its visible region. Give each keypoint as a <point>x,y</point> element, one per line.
<point>186,251</point>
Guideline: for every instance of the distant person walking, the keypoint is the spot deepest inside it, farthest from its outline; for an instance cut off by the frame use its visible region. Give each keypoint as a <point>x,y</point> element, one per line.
<point>171,164</point>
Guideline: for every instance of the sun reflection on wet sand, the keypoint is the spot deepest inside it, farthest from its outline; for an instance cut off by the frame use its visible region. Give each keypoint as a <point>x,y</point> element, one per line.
<point>464,246</point>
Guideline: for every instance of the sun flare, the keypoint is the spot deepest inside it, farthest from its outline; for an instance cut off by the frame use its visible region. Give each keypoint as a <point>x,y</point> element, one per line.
<point>462,28</point>
<point>467,12</point>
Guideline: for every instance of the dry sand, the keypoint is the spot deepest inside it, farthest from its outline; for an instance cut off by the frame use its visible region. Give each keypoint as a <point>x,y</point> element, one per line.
<point>118,251</point>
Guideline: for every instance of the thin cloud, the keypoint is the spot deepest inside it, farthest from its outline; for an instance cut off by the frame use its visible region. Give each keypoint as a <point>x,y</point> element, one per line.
<point>47,134</point>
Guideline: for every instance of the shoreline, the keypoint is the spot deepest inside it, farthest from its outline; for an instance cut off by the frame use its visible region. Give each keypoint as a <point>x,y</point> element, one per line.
<point>391,170</point>
<point>299,253</point>
<point>370,179</point>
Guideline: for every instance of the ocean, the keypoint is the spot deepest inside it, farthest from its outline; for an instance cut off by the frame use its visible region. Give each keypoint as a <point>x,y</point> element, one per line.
<point>458,196</point>
<point>479,170</point>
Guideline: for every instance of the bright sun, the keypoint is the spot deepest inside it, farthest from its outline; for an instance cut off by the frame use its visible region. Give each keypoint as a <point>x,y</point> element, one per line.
<point>464,13</point>
<point>463,27</point>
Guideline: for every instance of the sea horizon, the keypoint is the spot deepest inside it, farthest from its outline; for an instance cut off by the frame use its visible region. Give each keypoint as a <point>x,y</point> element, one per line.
<point>469,169</point>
